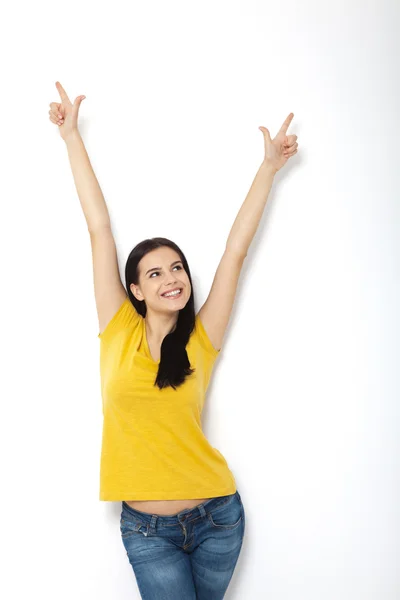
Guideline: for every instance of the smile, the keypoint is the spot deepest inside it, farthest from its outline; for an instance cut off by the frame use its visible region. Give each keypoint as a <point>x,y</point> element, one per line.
<point>172,294</point>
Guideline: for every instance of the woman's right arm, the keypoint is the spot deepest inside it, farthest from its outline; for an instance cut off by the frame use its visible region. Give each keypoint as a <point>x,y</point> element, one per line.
<point>88,188</point>
<point>109,290</point>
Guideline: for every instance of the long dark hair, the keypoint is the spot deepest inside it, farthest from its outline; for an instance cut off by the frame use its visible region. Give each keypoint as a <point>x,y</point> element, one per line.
<point>174,364</point>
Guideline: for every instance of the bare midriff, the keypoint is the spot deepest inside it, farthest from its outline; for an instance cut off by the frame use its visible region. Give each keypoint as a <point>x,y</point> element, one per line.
<point>164,507</point>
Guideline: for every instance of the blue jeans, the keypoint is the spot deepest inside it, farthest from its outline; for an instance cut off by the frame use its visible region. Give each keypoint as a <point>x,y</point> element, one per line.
<point>187,556</point>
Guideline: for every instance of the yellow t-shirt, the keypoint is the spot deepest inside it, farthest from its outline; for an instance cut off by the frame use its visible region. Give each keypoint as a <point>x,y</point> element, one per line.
<point>153,446</point>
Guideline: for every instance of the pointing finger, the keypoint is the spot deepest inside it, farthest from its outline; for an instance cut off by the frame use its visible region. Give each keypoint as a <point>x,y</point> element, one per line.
<point>62,92</point>
<point>286,123</point>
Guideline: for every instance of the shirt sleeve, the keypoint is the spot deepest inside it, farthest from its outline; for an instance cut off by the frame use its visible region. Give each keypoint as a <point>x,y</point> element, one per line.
<point>125,317</point>
<point>203,338</point>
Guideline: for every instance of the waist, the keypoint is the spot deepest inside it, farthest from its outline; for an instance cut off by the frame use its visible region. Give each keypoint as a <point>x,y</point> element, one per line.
<point>164,507</point>
<point>187,514</point>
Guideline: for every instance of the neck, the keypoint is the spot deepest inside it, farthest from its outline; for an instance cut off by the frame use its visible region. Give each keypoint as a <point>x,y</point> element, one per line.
<point>158,326</point>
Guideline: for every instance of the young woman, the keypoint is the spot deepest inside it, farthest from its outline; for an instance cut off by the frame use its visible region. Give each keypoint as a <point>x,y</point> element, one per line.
<point>182,521</point>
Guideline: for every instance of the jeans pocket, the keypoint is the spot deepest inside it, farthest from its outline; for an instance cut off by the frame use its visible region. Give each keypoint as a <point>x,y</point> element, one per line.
<point>227,516</point>
<point>128,528</point>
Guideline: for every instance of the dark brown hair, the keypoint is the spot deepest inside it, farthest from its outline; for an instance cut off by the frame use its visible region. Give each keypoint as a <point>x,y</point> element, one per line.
<point>174,364</point>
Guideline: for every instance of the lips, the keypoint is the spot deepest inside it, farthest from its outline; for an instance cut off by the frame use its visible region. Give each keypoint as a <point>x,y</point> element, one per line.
<point>169,291</point>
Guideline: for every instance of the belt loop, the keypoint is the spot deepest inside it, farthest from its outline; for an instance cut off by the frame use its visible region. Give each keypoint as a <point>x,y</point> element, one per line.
<point>153,523</point>
<point>202,510</point>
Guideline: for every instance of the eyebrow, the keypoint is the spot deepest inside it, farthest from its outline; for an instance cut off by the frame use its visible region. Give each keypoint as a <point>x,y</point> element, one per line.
<point>158,268</point>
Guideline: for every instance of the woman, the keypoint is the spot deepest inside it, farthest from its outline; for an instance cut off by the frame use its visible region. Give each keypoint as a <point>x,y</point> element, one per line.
<point>182,521</point>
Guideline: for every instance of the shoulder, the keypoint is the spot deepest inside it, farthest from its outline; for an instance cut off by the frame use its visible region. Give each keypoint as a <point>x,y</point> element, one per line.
<point>125,316</point>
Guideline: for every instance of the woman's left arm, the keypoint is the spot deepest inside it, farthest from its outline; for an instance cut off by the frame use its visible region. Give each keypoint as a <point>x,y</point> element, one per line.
<point>215,312</point>
<point>277,153</point>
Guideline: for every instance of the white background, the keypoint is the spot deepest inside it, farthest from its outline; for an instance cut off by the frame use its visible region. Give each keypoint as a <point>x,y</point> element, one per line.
<point>304,401</point>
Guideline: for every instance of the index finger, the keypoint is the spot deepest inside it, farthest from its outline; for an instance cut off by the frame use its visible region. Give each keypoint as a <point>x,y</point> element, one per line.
<point>62,92</point>
<point>286,123</point>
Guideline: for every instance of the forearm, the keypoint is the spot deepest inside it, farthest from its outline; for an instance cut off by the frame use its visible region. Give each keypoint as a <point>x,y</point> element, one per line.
<point>90,195</point>
<point>249,215</point>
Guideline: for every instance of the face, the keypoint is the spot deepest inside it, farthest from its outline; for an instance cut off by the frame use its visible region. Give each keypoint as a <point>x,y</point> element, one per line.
<point>162,271</point>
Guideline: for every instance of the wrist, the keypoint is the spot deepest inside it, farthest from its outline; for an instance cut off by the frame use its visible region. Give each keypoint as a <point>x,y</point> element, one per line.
<point>73,136</point>
<point>269,167</point>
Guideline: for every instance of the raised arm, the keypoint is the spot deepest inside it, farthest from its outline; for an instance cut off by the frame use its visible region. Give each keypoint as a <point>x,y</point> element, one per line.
<point>90,195</point>
<point>216,311</point>
<point>108,287</point>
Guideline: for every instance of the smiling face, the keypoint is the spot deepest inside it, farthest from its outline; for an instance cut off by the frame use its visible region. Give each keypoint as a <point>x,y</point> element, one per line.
<point>161,271</point>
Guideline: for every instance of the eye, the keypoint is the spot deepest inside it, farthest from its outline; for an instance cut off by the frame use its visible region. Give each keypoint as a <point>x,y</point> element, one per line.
<point>176,267</point>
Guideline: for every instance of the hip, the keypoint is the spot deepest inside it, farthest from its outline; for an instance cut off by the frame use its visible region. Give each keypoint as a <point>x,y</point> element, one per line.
<point>186,556</point>
<point>222,513</point>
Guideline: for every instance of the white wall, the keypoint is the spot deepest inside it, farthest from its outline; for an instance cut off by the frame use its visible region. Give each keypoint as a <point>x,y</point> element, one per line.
<point>304,400</point>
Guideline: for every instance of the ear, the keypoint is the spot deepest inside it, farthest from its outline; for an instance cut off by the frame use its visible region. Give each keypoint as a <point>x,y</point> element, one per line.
<point>135,289</point>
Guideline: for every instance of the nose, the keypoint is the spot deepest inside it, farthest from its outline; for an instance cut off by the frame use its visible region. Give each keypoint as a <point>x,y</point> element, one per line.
<point>170,280</point>
<point>170,277</point>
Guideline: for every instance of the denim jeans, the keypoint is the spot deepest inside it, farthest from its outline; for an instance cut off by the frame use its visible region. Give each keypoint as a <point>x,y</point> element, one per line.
<point>187,556</point>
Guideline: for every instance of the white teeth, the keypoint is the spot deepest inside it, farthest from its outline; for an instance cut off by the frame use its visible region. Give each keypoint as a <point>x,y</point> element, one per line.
<point>172,294</point>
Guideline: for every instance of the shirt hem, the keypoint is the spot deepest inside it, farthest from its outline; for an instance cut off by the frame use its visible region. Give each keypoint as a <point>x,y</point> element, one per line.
<point>143,496</point>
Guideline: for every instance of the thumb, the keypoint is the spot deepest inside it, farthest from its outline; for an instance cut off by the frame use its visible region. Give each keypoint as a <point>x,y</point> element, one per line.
<point>78,102</point>
<point>265,132</point>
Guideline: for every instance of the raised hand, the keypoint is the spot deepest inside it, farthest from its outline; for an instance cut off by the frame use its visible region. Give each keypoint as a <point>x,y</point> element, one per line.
<point>282,147</point>
<point>65,114</point>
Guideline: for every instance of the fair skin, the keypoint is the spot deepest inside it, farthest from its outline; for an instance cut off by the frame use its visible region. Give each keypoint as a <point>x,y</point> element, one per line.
<point>162,314</point>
